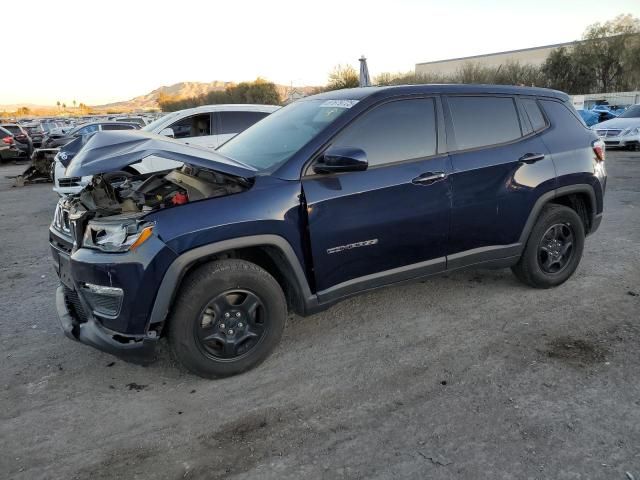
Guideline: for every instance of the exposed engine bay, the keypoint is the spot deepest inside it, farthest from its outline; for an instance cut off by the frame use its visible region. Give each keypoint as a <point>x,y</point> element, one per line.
<point>114,194</point>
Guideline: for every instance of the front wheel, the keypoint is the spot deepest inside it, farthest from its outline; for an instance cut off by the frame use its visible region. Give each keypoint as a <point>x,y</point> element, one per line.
<point>228,317</point>
<point>554,248</point>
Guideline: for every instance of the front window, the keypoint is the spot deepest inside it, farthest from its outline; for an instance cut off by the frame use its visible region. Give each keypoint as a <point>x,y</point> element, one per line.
<point>153,125</point>
<point>272,141</point>
<point>631,112</point>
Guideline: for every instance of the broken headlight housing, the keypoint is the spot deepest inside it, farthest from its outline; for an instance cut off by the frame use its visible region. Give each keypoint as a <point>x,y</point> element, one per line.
<point>116,235</point>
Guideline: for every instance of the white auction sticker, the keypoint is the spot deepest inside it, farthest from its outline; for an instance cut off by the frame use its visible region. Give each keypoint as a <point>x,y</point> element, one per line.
<point>339,103</point>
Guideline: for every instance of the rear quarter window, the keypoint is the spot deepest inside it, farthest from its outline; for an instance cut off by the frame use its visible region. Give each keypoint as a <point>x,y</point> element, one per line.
<point>563,118</point>
<point>534,113</point>
<point>483,121</point>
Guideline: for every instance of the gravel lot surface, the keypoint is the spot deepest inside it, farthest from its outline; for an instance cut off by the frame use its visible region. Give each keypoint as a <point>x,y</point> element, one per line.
<point>471,375</point>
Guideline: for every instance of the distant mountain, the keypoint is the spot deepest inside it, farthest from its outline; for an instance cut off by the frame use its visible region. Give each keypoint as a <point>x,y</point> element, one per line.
<point>177,90</point>
<point>150,100</point>
<point>186,90</point>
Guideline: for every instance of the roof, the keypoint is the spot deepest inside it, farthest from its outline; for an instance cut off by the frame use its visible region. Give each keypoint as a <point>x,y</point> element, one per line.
<point>555,45</point>
<point>448,88</point>
<point>231,107</point>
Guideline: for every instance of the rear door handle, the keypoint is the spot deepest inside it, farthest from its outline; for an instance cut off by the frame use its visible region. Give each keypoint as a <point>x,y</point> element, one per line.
<point>428,178</point>
<point>531,157</point>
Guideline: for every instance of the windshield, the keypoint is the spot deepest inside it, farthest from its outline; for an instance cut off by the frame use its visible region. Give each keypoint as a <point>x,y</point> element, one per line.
<point>152,126</point>
<point>272,141</point>
<point>631,112</point>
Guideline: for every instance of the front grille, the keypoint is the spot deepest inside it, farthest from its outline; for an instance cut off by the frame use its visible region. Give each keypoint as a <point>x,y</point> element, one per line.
<point>611,143</point>
<point>69,182</point>
<point>74,305</point>
<point>609,133</point>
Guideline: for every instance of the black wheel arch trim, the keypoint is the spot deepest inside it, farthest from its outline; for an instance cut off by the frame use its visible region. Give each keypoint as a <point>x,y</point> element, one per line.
<point>176,272</point>
<point>559,192</point>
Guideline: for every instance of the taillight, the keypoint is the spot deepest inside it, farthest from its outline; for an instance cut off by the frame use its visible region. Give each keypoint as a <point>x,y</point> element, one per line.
<point>599,149</point>
<point>7,140</point>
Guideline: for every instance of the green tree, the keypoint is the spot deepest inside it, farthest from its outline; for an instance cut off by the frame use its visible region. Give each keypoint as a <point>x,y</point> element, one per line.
<point>607,60</point>
<point>343,76</point>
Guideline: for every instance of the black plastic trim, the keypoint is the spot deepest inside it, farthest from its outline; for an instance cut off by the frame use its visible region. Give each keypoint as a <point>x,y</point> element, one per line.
<point>135,349</point>
<point>179,267</point>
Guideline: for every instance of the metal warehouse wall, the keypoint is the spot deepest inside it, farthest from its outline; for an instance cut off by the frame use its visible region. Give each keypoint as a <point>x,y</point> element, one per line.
<point>535,56</point>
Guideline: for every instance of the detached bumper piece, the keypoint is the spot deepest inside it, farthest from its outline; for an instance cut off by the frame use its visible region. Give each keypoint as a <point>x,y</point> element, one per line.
<point>82,327</point>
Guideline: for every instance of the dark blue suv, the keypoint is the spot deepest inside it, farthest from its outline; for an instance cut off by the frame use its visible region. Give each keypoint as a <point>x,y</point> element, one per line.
<point>333,195</point>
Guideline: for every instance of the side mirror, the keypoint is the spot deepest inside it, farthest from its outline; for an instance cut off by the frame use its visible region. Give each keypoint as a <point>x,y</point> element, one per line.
<point>342,159</point>
<point>167,132</point>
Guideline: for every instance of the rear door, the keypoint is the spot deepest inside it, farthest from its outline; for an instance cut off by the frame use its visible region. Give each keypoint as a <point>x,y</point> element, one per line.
<point>229,124</point>
<point>500,167</point>
<point>387,223</point>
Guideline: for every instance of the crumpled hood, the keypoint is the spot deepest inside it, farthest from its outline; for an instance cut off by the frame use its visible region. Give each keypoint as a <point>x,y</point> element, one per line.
<point>616,123</point>
<point>113,150</point>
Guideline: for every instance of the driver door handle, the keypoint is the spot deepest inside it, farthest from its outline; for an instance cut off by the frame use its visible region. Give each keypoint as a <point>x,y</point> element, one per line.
<point>428,178</point>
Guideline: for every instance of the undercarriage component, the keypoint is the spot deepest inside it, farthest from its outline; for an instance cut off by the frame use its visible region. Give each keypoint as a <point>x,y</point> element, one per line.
<point>41,168</point>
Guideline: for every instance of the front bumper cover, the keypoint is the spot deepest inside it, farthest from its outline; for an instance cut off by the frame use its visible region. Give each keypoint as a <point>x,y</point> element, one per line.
<point>135,349</point>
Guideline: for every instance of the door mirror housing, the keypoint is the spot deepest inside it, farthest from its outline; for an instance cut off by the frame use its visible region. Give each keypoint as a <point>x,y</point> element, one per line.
<point>342,159</point>
<point>167,132</point>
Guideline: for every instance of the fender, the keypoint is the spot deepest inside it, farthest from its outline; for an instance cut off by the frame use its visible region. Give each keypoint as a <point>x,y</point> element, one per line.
<point>180,265</point>
<point>559,192</point>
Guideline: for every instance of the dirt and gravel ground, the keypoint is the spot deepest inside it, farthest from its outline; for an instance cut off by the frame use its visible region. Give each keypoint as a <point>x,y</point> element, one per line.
<point>470,376</point>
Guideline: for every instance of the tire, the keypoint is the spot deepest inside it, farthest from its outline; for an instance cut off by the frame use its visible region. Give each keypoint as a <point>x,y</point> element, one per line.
<point>539,268</point>
<point>206,308</point>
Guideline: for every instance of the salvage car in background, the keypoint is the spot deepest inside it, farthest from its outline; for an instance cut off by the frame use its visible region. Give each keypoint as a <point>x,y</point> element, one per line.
<point>206,126</point>
<point>36,132</point>
<point>21,138</point>
<point>621,132</point>
<point>59,139</point>
<point>8,149</point>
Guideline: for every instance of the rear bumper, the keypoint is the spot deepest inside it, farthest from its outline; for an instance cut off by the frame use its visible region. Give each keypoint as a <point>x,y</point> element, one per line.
<point>136,349</point>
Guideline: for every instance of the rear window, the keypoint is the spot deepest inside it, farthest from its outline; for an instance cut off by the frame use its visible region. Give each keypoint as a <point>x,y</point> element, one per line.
<point>117,127</point>
<point>483,121</point>
<point>535,115</point>
<point>14,129</point>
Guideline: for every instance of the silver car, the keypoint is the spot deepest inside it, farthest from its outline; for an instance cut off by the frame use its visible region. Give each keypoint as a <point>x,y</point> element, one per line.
<point>621,132</point>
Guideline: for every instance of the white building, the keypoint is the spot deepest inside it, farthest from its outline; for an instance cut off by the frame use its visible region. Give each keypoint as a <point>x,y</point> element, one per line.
<point>533,56</point>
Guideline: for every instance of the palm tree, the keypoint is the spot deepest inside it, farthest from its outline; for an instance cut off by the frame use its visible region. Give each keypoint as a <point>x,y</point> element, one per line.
<point>74,104</point>
<point>58,104</point>
<point>64,106</point>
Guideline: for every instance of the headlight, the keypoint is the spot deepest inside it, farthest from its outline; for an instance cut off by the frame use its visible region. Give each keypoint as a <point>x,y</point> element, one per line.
<point>631,131</point>
<point>116,236</point>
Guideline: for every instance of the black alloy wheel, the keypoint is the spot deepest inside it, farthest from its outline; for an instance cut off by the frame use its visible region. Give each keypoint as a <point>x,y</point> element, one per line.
<point>231,324</point>
<point>556,248</point>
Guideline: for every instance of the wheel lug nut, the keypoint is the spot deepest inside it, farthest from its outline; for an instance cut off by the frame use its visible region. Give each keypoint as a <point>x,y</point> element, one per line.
<point>240,325</point>
<point>226,315</point>
<point>230,332</point>
<point>222,326</point>
<point>237,314</point>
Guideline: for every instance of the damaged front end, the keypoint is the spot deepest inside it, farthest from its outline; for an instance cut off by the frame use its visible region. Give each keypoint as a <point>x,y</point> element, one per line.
<point>105,249</point>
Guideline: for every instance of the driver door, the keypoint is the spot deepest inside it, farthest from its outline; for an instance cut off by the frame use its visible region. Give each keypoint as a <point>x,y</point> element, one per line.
<point>387,223</point>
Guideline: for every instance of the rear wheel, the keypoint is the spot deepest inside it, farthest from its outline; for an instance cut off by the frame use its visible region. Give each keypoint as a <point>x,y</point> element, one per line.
<point>554,248</point>
<point>228,317</point>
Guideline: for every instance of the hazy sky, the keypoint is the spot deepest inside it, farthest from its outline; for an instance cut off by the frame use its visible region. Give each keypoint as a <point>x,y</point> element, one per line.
<point>102,51</point>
